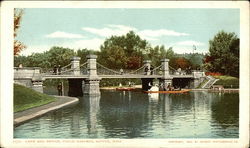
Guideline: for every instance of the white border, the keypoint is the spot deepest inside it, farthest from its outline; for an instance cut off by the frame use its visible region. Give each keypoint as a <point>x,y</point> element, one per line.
<point>7,72</point>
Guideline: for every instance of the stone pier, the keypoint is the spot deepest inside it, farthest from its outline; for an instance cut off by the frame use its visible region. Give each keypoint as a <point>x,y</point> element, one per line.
<point>75,65</point>
<point>75,85</point>
<point>91,84</point>
<point>147,82</point>
<point>166,78</point>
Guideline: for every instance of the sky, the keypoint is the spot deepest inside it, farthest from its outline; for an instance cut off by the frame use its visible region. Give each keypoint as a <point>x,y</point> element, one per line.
<point>79,28</point>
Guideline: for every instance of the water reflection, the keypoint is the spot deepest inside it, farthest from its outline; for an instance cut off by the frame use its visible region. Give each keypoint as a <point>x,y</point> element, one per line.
<point>126,115</point>
<point>122,114</point>
<point>225,113</point>
<point>91,104</point>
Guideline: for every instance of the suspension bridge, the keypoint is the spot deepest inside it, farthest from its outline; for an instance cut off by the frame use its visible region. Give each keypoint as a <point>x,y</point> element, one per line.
<point>88,75</point>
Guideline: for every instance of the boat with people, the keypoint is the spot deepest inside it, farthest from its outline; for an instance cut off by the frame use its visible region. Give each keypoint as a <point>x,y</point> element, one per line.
<point>121,88</point>
<point>170,90</point>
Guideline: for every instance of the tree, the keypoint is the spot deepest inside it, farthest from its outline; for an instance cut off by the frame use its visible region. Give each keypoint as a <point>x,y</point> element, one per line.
<point>116,50</point>
<point>223,54</point>
<point>59,56</point>
<point>18,46</point>
<point>157,53</point>
<point>55,56</point>
<point>82,53</point>
<point>113,57</point>
<point>196,59</point>
<point>180,62</point>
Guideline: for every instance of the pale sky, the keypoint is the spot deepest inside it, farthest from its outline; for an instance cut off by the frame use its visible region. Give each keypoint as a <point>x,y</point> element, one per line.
<point>78,28</point>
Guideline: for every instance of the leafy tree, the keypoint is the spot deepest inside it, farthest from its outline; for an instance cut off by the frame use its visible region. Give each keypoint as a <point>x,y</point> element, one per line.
<point>157,53</point>
<point>180,62</point>
<point>59,56</point>
<point>134,62</point>
<point>170,53</point>
<point>125,46</point>
<point>196,59</point>
<point>18,46</point>
<point>114,57</point>
<point>223,54</point>
<point>55,56</point>
<point>154,55</point>
<point>82,53</point>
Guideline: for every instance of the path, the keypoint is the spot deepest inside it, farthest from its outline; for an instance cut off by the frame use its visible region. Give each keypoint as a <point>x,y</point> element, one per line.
<point>26,115</point>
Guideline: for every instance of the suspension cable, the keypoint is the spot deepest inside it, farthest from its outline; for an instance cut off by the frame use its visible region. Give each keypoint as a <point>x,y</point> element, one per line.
<point>108,68</point>
<point>137,69</point>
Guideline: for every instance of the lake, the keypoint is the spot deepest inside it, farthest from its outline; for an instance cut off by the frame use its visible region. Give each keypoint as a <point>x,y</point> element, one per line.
<point>133,114</point>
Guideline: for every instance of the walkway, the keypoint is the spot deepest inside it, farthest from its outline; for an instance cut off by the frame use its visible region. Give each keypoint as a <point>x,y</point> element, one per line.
<point>62,101</point>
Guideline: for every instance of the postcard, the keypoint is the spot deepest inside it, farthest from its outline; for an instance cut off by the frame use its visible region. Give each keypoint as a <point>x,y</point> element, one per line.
<point>124,74</point>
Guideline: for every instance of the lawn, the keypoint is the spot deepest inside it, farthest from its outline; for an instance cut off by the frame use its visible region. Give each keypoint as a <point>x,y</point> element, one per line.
<point>25,98</point>
<point>227,81</point>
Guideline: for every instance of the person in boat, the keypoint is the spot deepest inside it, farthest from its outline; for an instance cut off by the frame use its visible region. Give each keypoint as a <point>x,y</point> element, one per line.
<point>168,87</point>
<point>161,87</point>
<point>154,88</point>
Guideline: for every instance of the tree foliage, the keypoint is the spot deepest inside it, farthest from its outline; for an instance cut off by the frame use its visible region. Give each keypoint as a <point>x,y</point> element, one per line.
<point>18,46</point>
<point>180,62</point>
<point>126,52</point>
<point>82,53</point>
<point>116,51</point>
<point>223,54</point>
<point>55,56</point>
<point>196,59</point>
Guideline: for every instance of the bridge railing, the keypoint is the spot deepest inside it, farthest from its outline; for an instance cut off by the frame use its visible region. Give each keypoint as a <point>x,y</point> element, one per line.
<point>26,71</point>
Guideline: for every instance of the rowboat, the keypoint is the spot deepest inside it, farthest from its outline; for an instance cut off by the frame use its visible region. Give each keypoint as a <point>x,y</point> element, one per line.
<point>125,88</point>
<point>169,92</point>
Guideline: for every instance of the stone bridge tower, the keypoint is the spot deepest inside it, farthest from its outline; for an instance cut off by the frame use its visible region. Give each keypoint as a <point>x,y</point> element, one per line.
<point>147,82</point>
<point>75,85</point>
<point>91,84</point>
<point>166,78</point>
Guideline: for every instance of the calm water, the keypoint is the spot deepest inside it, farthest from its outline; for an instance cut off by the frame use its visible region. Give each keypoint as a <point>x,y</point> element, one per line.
<point>118,114</point>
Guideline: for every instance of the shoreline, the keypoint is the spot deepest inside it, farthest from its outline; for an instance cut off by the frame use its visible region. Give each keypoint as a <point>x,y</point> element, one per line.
<point>194,89</point>
<point>29,114</point>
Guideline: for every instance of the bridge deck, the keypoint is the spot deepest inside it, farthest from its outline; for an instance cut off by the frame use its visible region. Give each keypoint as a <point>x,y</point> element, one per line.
<point>111,76</point>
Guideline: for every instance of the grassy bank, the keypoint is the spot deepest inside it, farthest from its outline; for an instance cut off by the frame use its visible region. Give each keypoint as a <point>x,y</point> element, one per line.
<point>25,98</point>
<point>227,81</point>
